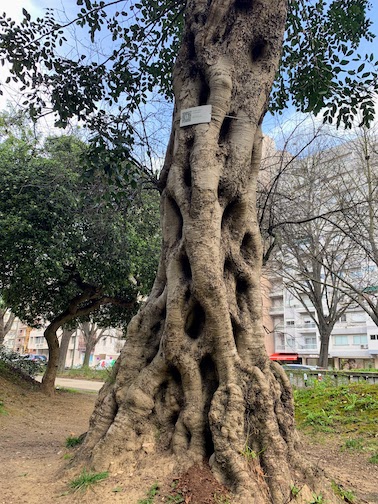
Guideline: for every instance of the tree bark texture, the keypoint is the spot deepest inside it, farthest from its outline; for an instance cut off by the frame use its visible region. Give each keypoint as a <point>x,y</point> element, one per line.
<point>63,349</point>
<point>48,379</point>
<point>194,372</point>
<point>324,348</point>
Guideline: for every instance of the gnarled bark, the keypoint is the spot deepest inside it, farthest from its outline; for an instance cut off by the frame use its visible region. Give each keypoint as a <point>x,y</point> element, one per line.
<point>194,372</point>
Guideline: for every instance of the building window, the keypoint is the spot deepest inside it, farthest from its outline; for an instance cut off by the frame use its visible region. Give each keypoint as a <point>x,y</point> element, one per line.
<point>290,342</point>
<point>290,322</point>
<point>342,318</point>
<point>310,342</point>
<point>374,336</point>
<point>360,339</point>
<point>341,340</point>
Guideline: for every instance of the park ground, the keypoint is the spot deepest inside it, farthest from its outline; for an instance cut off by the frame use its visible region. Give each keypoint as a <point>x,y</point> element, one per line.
<point>34,459</point>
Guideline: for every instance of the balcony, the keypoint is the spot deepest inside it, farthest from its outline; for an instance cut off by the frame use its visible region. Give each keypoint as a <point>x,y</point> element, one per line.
<point>277,292</point>
<point>276,309</point>
<point>302,309</point>
<point>288,346</point>
<point>307,348</point>
<point>34,345</point>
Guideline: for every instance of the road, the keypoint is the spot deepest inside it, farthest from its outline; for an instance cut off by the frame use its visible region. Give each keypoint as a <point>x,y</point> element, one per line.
<point>71,383</point>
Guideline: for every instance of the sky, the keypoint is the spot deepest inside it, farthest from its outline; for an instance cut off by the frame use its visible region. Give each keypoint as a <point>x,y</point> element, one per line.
<point>274,126</point>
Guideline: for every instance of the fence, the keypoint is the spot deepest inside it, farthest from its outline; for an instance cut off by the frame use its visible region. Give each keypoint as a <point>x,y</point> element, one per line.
<point>300,378</point>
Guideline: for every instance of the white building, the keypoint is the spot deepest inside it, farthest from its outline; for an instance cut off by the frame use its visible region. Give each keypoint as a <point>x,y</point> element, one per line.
<point>295,337</point>
<point>26,340</point>
<point>328,180</point>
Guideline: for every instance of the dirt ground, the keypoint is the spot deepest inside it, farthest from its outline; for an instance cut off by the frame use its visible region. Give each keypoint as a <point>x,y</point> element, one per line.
<point>34,459</point>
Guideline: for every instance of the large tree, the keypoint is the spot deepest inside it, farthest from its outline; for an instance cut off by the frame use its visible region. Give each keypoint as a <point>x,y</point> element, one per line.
<point>359,185</point>
<point>303,216</point>
<point>194,367</point>
<point>65,250</point>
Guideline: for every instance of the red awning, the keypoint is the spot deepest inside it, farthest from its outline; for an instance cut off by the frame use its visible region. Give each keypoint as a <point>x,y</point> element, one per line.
<point>283,357</point>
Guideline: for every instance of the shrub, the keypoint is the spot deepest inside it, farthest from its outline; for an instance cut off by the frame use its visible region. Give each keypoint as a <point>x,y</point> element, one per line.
<point>17,362</point>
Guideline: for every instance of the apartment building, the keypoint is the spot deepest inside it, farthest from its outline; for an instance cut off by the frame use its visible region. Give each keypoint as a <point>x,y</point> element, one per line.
<point>338,252</point>
<point>295,336</point>
<point>27,340</point>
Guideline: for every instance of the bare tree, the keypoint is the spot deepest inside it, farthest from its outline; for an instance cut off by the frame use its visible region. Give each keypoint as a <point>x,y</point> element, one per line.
<point>92,335</point>
<point>359,221</point>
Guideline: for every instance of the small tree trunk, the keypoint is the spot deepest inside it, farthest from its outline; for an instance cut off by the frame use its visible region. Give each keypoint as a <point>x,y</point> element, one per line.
<point>324,349</point>
<point>194,366</point>
<point>64,344</point>
<point>5,327</point>
<point>48,380</point>
<point>88,350</point>
<point>2,329</point>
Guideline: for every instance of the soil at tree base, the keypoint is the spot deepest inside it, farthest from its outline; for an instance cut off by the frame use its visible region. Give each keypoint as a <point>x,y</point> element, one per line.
<point>34,463</point>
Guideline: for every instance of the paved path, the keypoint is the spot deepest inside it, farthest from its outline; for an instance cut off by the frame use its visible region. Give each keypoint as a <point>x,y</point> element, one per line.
<point>72,383</point>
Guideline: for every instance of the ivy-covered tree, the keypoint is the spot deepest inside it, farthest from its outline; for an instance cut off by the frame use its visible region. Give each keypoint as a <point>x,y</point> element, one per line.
<point>64,250</point>
<point>194,367</point>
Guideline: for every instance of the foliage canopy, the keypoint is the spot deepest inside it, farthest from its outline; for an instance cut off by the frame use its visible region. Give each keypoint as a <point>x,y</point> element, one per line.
<point>58,236</point>
<point>132,48</point>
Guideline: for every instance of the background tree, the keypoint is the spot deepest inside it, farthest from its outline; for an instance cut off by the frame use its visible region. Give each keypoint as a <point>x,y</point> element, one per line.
<point>359,184</point>
<point>6,321</point>
<point>92,335</point>
<point>302,215</point>
<point>63,247</point>
<point>65,339</point>
<point>309,255</point>
<point>194,366</point>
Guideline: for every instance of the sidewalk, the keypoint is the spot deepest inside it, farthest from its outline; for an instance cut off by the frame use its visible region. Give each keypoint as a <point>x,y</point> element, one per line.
<point>87,385</point>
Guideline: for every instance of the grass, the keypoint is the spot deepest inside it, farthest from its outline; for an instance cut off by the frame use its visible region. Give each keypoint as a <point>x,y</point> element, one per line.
<point>342,492</point>
<point>374,459</point>
<point>67,390</point>
<point>317,499</point>
<point>3,411</point>
<point>86,373</point>
<point>86,479</point>
<point>177,498</point>
<point>152,492</point>
<point>353,444</point>
<point>349,411</point>
<point>73,441</point>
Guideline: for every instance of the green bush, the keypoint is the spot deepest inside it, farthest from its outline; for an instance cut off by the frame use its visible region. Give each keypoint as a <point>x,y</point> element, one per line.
<point>14,361</point>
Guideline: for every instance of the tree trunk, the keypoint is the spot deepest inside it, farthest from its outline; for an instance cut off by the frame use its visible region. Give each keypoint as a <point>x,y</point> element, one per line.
<point>92,336</point>
<point>194,367</point>
<point>324,348</point>
<point>5,327</point>
<point>325,326</point>
<point>64,344</point>
<point>48,380</point>
<point>88,350</point>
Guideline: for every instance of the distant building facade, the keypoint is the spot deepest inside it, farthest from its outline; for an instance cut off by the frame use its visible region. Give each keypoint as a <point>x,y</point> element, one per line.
<point>295,337</point>
<point>291,333</point>
<point>27,340</point>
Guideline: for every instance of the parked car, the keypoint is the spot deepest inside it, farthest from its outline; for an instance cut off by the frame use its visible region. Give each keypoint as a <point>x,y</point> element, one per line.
<point>302,367</point>
<point>36,358</point>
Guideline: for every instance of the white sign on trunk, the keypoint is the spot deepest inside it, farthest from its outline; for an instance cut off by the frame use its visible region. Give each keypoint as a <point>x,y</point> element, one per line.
<point>195,115</point>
